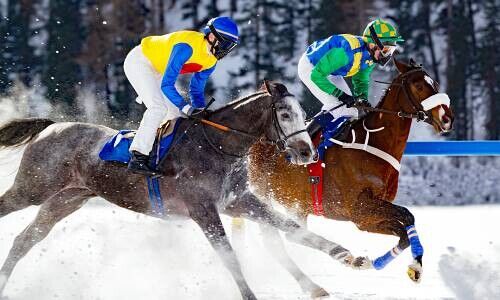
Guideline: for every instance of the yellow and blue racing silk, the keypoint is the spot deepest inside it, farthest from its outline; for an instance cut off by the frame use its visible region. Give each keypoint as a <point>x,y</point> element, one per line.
<point>177,53</point>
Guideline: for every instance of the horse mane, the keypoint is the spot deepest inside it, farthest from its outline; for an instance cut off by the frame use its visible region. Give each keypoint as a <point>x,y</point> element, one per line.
<point>241,100</point>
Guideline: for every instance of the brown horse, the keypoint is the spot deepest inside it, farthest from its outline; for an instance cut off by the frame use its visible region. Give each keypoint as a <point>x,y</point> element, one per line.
<point>359,186</point>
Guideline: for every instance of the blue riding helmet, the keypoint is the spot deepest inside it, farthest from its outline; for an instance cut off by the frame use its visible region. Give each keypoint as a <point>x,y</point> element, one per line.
<point>226,35</point>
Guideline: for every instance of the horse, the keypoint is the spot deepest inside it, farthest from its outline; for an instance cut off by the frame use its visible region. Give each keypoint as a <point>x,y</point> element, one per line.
<point>60,170</point>
<point>360,186</point>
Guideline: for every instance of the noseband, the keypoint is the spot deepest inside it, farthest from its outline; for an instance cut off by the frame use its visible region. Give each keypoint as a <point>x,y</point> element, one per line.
<point>420,112</point>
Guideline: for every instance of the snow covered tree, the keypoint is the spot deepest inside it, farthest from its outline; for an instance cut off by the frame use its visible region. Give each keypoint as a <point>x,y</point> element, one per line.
<point>114,28</point>
<point>62,73</point>
<point>269,31</point>
<point>4,75</point>
<point>489,65</point>
<point>415,25</point>
<point>458,64</point>
<point>18,60</point>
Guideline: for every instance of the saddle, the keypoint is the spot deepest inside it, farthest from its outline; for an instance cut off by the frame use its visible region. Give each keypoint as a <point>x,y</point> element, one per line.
<point>117,148</point>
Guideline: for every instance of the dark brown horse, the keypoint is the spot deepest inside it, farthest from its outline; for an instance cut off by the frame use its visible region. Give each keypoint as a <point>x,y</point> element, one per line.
<point>359,186</point>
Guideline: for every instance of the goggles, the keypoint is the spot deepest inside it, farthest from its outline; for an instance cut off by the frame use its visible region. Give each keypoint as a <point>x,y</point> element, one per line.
<point>386,51</point>
<point>222,45</point>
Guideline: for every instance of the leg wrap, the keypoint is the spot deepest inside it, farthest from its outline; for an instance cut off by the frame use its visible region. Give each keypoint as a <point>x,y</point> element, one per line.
<point>416,246</point>
<point>385,259</point>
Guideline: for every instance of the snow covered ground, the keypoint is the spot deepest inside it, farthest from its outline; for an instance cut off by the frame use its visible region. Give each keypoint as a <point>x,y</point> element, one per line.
<point>105,252</point>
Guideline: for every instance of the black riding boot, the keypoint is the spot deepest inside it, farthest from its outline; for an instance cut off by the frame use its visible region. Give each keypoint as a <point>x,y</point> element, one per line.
<point>139,163</point>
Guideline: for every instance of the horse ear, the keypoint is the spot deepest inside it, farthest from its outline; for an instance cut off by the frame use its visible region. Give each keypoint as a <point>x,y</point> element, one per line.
<point>275,89</point>
<point>268,87</point>
<point>401,66</point>
<point>412,62</point>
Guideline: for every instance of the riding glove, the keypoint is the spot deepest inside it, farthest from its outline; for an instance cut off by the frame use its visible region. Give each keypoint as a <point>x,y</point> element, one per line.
<point>188,111</point>
<point>348,100</point>
<point>362,103</point>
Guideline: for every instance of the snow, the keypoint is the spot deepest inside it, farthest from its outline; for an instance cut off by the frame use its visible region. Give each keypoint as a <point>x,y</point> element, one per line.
<point>106,252</point>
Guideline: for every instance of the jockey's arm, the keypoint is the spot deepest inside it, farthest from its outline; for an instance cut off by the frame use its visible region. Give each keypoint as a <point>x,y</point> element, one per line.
<point>197,87</point>
<point>361,82</point>
<point>329,63</point>
<point>179,56</point>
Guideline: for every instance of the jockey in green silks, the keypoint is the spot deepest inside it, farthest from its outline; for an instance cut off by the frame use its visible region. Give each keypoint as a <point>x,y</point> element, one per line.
<point>326,62</point>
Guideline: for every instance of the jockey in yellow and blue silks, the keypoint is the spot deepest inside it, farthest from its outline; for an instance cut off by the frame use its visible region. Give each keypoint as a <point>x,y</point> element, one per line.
<point>327,62</point>
<point>153,68</point>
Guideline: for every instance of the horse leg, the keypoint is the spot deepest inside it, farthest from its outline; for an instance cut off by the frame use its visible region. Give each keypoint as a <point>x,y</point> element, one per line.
<point>51,212</point>
<point>248,206</point>
<point>207,217</point>
<point>379,216</point>
<point>12,201</point>
<point>274,243</point>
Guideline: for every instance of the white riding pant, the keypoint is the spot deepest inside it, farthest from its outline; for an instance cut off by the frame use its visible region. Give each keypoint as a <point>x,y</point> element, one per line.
<point>146,81</point>
<point>305,68</point>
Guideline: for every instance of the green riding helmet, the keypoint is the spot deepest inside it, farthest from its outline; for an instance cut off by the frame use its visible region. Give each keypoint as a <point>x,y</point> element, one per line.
<point>386,32</point>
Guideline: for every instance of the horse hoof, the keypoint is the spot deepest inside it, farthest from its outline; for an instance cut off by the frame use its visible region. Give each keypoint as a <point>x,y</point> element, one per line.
<point>362,263</point>
<point>319,293</point>
<point>415,272</point>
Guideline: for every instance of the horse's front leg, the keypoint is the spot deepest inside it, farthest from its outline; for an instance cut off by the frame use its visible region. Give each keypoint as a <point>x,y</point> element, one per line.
<point>274,243</point>
<point>207,217</point>
<point>248,206</point>
<point>379,216</point>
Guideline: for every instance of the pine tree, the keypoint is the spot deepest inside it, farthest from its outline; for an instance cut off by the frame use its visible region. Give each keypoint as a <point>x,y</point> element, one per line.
<point>62,72</point>
<point>17,55</point>
<point>458,65</point>
<point>114,28</point>
<point>4,75</point>
<point>414,23</point>
<point>190,11</point>
<point>489,62</point>
<point>269,30</point>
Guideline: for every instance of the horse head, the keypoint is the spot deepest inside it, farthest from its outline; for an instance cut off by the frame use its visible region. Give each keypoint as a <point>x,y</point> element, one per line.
<point>423,97</point>
<point>288,124</point>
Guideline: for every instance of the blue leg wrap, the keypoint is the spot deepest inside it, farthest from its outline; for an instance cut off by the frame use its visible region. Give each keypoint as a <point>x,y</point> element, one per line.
<point>416,247</point>
<point>385,259</point>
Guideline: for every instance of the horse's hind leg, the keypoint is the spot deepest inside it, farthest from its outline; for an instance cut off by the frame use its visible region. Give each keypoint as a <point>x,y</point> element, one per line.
<point>379,216</point>
<point>207,217</point>
<point>51,212</point>
<point>11,201</point>
<point>274,243</point>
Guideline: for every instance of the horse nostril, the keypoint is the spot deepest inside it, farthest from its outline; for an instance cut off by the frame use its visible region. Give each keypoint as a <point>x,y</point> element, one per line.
<point>316,157</point>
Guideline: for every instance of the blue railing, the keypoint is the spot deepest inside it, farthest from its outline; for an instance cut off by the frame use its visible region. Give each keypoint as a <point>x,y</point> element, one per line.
<point>453,148</point>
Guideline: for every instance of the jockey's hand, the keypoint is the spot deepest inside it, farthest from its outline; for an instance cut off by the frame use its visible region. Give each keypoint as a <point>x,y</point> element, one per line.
<point>348,100</point>
<point>362,103</point>
<point>189,111</point>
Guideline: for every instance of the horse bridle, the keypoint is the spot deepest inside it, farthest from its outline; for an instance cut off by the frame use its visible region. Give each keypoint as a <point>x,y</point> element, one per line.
<point>420,113</point>
<point>281,142</point>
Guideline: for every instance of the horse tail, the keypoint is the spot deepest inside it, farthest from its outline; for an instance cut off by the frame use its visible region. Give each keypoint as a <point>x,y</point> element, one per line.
<point>22,131</point>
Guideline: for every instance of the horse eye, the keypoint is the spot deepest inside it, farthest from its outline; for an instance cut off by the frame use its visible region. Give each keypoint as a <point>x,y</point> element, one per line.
<point>285,116</point>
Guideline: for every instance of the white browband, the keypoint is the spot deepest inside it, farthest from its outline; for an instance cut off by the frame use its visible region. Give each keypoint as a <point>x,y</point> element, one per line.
<point>435,101</point>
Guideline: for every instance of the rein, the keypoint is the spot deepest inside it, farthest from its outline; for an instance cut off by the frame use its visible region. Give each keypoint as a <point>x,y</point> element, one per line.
<point>280,143</point>
<point>420,113</point>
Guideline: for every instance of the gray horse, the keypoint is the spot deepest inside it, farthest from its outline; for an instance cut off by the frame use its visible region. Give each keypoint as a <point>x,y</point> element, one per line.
<point>60,170</point>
